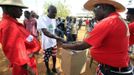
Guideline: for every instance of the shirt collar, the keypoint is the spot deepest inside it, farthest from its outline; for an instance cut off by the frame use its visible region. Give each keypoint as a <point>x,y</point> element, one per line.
<point>114,13</point>
<point>6,16</point>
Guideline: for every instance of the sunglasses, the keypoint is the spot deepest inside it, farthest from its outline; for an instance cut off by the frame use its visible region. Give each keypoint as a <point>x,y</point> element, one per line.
<point>96,7</point>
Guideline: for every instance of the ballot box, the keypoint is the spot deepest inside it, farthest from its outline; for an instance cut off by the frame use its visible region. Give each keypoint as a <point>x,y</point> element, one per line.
<point>72,63</point>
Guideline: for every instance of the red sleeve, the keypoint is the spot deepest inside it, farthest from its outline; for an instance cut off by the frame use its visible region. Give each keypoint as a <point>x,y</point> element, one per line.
<point>31,43</point>
<point>0,35</point>
<point>97,36</point>
<point>33,46</point>
<point>14,46</point>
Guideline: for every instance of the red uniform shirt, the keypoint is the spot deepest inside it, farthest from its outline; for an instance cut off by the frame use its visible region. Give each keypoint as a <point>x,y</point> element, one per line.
<point>109,41</point>
<point>131,29</point>
<point>16,41</point>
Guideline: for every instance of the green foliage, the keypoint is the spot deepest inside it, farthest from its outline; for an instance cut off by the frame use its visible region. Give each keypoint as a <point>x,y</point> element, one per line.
<point>62,10</point>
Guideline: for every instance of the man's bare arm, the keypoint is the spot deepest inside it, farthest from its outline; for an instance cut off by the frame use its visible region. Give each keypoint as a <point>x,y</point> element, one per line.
<point>48,34</point>
<point>77,46</point>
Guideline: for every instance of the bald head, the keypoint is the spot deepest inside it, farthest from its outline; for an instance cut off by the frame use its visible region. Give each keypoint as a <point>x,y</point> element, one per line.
<point>52,11</point>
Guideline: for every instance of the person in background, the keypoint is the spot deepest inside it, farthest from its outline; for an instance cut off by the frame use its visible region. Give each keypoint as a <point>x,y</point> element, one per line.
<point>80,23</point>
<point>34,15</point>
<point>47,26</point>
<point>30,23</point>
<point>74,31</point>
<point>130,19</point>
<point>66,22</point>
<point>58,20</point>
<point>87,22</point>
<point>108,40</point>
<point>27,16</point>
<point>92,24</point>
<point>18,45</point>
<point>60,28</point>
<point>69,29</point>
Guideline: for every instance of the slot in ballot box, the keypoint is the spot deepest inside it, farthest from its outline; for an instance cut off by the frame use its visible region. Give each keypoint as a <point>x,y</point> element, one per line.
<point>72,63</point>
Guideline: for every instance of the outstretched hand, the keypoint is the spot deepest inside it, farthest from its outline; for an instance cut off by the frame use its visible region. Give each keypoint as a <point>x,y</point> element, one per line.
<point>63,44</point>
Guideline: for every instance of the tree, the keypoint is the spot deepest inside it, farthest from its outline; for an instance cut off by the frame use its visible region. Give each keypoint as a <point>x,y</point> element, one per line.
<point>62,10</point>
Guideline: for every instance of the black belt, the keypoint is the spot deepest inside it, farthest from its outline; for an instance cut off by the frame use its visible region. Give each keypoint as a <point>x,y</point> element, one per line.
<point>122,69</point>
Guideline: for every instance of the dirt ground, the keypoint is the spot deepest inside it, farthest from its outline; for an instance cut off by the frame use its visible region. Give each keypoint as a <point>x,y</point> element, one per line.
<point>5,70</point>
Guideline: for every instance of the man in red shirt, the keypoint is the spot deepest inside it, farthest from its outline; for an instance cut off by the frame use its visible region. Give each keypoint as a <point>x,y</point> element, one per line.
<point>18,45</point>
<point>108,40</point>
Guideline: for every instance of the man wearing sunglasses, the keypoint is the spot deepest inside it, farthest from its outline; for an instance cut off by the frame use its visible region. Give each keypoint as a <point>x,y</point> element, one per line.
<point>108,40</point>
